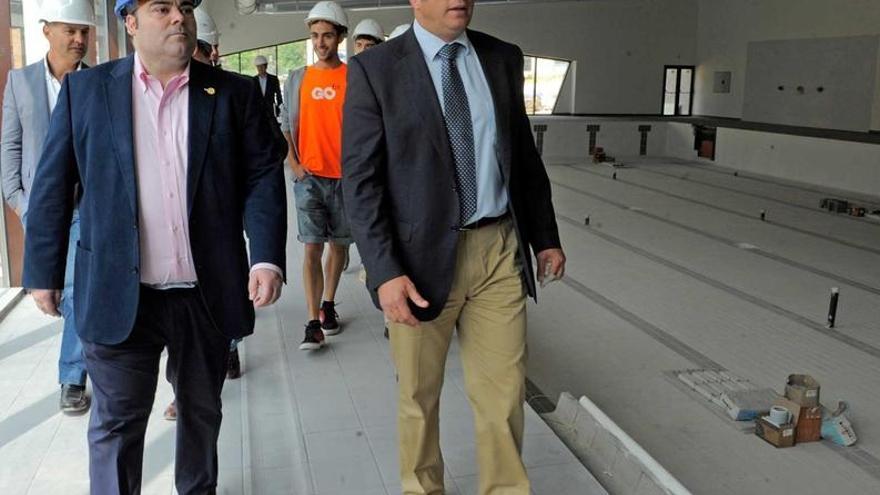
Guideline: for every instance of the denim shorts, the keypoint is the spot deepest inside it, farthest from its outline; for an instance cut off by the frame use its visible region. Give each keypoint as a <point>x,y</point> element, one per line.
<point>320,214</point>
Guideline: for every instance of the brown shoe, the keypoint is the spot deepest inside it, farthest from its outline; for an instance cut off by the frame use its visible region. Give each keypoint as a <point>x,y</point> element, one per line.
<point>233,366</point>
<point>171,411</point>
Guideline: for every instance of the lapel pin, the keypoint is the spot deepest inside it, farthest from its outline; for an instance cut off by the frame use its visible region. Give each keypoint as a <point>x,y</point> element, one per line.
<point>210,91</point>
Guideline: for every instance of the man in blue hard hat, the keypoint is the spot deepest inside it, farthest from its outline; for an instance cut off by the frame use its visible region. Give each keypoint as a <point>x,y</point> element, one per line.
<point>161,262</point>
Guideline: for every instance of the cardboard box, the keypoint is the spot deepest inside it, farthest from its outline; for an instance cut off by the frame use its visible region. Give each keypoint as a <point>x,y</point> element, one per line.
<point>748,405</point>
<point>803,389</point>
<point>778,436</point>
<point>809,426</point>
<point>807,421</point>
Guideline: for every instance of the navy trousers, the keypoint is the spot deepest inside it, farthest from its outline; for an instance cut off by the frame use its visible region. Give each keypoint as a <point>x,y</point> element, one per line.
<point>124,379</point>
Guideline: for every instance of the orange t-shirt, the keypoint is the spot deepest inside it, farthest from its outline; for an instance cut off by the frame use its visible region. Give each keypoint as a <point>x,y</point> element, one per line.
<point>320,121</point>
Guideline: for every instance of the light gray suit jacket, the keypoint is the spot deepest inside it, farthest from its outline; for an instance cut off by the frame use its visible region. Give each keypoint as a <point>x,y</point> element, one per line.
<point>25,125</point>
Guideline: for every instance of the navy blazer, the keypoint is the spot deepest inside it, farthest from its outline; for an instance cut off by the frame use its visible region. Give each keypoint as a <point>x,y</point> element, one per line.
<point>399,172</point>
<point>235,184</point>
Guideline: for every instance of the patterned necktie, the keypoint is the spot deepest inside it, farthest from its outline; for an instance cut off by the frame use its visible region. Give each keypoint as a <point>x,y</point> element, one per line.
<point>457,113</point>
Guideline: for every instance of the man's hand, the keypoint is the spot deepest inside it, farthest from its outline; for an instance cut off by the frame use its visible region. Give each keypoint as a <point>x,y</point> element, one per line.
<point>551,263</point>
<point>47,300</point>
<point>298,170</point>
<point>264,287</point>
<point>393,297</point>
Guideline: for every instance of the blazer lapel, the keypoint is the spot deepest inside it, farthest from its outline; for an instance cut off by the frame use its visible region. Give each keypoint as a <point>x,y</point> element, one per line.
<point>119,100</point>
<point>493,67</point>
<point>423,96</point>
<point>202,98</point>
<point>36,78</point>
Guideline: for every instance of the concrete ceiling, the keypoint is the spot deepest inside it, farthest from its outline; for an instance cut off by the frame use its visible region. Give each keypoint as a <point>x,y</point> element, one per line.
<point>293,6</point>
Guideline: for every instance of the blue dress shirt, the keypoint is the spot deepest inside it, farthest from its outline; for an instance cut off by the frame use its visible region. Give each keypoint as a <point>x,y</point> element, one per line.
<point>491,196</point>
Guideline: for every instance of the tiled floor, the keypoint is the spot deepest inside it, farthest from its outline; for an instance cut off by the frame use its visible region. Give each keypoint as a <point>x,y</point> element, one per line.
<point>677,271</point>
<point>297,423</point>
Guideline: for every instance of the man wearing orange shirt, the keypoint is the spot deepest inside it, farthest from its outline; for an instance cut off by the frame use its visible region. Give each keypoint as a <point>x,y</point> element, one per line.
<point>311,120</point>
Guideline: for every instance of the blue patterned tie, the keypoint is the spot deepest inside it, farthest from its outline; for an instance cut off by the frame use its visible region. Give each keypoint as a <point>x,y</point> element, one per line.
<point>457,113</point>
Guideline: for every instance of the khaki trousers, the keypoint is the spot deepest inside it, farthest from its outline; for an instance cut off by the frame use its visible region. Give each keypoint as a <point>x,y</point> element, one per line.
<point>487,306</point>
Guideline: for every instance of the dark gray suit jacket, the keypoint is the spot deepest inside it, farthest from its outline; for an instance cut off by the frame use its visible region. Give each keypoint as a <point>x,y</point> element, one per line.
<point>399,173</point>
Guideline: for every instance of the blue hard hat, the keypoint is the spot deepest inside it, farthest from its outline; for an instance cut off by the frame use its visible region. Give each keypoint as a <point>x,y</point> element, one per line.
<point>123,5</point>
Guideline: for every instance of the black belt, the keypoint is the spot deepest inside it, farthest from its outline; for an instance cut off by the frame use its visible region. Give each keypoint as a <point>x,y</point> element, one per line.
<point>483,222</point>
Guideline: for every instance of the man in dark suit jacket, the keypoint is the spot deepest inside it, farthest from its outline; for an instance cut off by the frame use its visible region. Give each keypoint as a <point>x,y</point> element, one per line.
<point>269,86</point>
<point>447,198</point>
<point>175,160</point>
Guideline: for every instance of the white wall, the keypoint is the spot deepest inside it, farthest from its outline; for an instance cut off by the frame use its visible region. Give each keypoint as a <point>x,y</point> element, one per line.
<point>567,140</point>
<point>843,165</point>
<point>725,27</point>
<point>840,165</point>
<point>620,45</point>
<point>784,78</point>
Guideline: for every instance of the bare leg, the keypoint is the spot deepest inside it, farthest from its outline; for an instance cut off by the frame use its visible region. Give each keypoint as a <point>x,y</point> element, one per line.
<point>313,278</point>
<point>333,268</point>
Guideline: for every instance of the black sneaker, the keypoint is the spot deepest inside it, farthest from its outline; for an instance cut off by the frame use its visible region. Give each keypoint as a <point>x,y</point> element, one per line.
<point>314,337</point>
<point>329,318</point>
<point>74,399</point>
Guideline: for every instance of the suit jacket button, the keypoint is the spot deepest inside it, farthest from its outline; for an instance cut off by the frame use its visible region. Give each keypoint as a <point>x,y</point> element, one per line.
<point>134,270</point>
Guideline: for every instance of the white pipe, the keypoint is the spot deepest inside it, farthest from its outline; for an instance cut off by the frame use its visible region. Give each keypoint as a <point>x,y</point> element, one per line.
<point>667,482</point>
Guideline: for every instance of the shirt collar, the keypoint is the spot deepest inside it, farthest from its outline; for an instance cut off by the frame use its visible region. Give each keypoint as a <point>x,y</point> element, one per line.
<point>145,80</point>
<point>49,75</point>
<point>431,44</point>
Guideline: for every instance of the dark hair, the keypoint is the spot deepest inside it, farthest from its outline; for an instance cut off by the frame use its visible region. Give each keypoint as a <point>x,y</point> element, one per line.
<point>341,31</point>
<point>367,36</point>
<point>204,48</point>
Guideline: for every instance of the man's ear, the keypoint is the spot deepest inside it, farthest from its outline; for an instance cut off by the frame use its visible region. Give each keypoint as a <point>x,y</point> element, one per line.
<point>131,24</point>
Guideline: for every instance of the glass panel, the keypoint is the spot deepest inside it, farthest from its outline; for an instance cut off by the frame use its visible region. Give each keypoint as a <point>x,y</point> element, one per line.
<point>231,62</point>
<point>100,33</point>
<point>669,104</point>
<point>529,83</point>
<point>290,56</point>
<point>247,61</point>
<point>550,75</point>
<point>16,34</point>
<point>670,83</point>
<point>684,104</point>
<point>687,78</point>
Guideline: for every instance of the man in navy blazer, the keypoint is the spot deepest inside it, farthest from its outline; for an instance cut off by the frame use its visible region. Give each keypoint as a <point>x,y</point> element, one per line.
<point>174,161</point>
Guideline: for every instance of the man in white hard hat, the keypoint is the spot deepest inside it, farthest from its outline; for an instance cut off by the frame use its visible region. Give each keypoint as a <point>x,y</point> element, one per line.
<point>367,34</point>
<point>207,38</point>
<point>30,97</point>
<point>449,202</point>
<point>311,120</point>
<point>161,262</point>
<point>269,86</point>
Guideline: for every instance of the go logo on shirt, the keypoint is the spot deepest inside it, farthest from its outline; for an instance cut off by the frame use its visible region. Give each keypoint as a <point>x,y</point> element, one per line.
<point>327,93</point>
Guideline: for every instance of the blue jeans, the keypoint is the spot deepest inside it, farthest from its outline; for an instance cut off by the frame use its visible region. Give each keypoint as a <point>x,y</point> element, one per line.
<point>71,363</point>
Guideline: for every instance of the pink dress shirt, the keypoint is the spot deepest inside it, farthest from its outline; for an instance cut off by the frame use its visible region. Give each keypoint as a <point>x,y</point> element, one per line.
<point>161,141</point>
<point>161,138</point>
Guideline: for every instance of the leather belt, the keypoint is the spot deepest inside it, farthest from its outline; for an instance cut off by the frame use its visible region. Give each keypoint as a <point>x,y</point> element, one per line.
<point>483,222</point>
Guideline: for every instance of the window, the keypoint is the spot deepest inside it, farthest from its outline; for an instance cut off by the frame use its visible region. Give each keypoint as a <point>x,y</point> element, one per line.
<point>543,81</point>
<point>678,93</point>
<point>282,58</point>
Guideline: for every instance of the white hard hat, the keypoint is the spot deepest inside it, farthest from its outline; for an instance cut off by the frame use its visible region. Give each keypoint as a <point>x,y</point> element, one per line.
<point>206,29</point>
<point>399,30</point>
<point>260,60</point>
<point>68,12</point>
<point>328,11</point>
<point>369,27</point>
